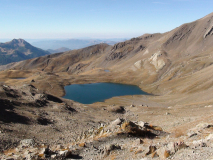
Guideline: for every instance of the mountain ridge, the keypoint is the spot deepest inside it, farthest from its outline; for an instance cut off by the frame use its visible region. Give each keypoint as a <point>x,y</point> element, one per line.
<point>152,59</point>
<point>17,50</point>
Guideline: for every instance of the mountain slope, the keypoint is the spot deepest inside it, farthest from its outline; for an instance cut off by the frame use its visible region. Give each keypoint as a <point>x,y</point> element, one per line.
<point>18,50</point>
<point>151,61</point>
<point>175,67</point>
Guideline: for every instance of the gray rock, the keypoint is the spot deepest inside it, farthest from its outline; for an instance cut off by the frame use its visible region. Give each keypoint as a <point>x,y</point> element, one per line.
<point>53,156</point>
<point>209,137</point>
<point>179,146</point>
<point>151,150</point>
<point>209,106</point>
<point>27,142</point>
<point>202,126</point>
<point>138,141</point>
<point>65,153</point>
<point>191,134</point>
<point>113,147</point>
<point>142,124</point>
<point>42,151</point>
<point>199,143</point>
<point>171,147</point>
<point>161,152</point>
<point>114,124</point>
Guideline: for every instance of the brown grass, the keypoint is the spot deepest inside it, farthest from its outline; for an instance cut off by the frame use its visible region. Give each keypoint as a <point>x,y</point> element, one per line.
<point>132,149</point>
<point>10,152</point>
<point>82,144</point>
<point>166,154</point>
<point>139,151</point>
<point>41,155</point>
<point>101,136</point>
<point>124,126</point>
<point>156,128</point>
<point>152,149</point>
<point>154,154</point>
<point>113,157</point>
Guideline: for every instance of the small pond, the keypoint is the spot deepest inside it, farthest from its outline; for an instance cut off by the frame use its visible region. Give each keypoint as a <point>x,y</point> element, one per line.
<point>19,78</point>
<point>98,92</point>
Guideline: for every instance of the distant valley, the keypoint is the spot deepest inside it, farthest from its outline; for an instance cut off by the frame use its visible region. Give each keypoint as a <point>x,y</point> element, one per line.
<point>71,43</point>
<point>62,49</point>
<point>19,49</point>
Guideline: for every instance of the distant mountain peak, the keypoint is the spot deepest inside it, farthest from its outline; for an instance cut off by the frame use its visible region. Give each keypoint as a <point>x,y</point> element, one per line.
<point>20,42</point>
<point>17,50</point>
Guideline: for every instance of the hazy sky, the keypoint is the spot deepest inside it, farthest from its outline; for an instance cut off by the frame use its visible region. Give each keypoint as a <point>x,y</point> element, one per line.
<point>96,18</point>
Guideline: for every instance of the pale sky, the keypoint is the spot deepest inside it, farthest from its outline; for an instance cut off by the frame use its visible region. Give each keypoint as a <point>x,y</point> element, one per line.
<point>52,19</point>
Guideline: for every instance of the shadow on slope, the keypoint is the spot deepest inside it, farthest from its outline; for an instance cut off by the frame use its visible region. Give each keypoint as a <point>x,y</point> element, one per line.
<point>7,114</point>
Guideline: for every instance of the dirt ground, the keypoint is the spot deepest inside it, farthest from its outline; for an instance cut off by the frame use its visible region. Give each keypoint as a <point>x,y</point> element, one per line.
<point>30,111</point>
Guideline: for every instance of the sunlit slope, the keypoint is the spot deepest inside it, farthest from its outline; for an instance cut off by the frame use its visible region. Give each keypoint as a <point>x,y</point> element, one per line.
<point>178,61</point>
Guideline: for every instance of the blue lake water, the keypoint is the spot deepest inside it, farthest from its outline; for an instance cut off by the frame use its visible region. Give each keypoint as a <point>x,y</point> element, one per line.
<point>19,78</point>
<point>98,92</point>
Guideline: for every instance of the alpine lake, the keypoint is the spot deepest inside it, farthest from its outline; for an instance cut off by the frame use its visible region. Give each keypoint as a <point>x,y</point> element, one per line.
<point>98,92</point>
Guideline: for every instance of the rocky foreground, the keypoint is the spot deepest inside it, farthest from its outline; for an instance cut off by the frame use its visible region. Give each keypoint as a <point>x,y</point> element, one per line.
<point>122,139</point>
<point>36,125</point>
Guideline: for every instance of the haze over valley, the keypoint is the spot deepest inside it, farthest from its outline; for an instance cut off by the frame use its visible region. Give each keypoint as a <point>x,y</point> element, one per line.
<point>72,43</point>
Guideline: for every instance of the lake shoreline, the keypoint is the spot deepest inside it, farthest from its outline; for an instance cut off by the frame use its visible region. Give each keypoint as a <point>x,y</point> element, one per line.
<point>99,92</point>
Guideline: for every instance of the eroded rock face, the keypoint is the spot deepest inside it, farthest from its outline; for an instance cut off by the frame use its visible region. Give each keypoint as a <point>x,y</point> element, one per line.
<point>138,64</point>
<point>181,34</point>
<point>209,31</point>
<point>120,50</point>
<point>115,55</point>
<point>157,61</point>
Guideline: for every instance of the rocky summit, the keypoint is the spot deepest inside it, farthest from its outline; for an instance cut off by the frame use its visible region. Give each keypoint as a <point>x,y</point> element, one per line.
<point>174,121</point>
<point>18,50</point>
